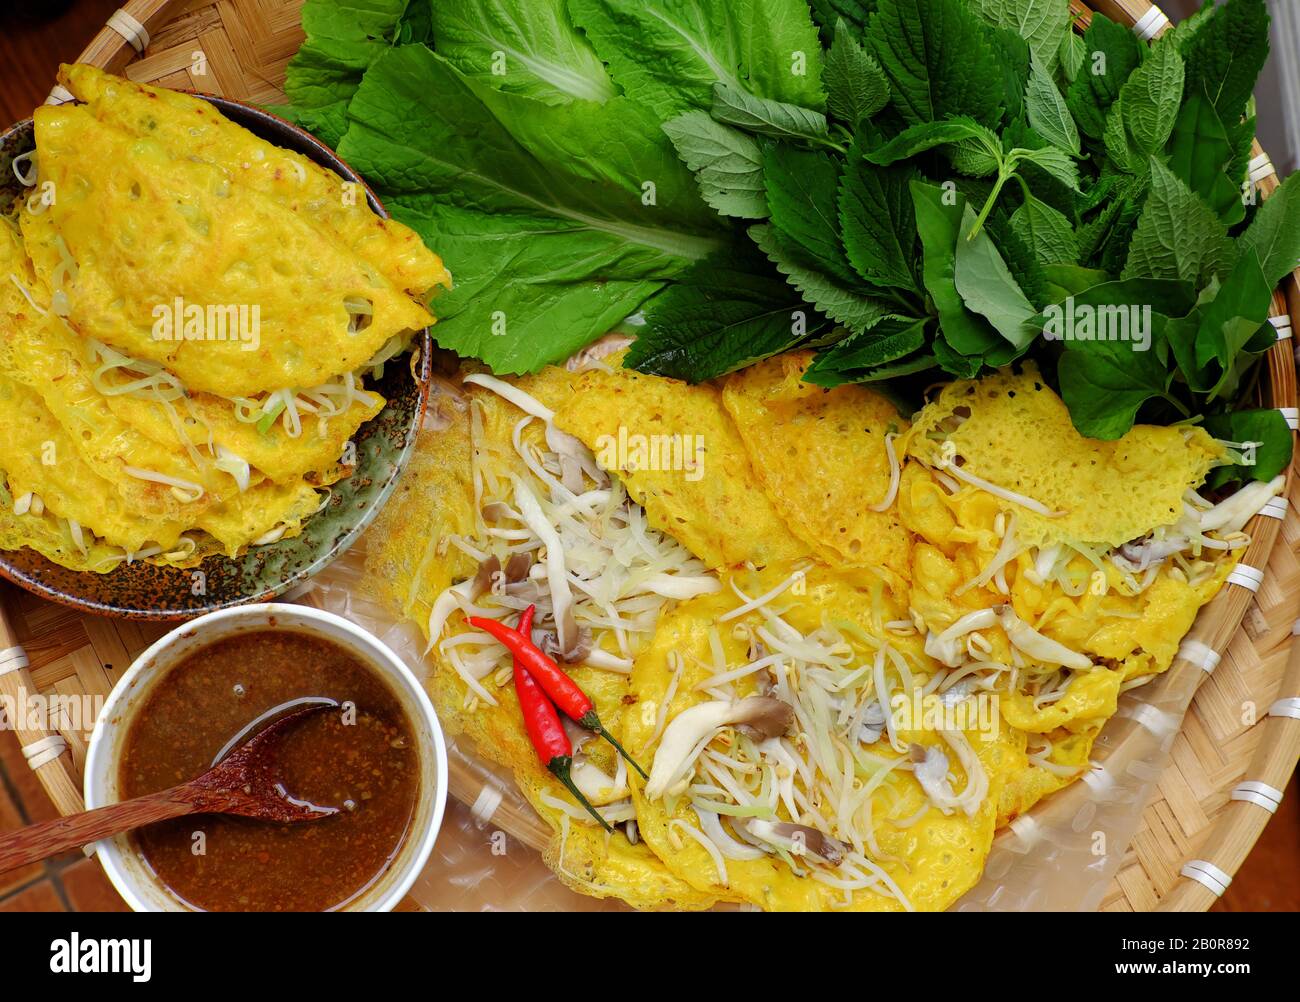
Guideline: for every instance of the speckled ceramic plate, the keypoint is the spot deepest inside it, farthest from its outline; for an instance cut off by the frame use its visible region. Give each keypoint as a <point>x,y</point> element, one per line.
<point>142,591</point>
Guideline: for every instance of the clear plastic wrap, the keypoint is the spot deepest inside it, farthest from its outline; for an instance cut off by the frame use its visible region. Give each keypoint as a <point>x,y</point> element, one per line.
<point>1061,856</point>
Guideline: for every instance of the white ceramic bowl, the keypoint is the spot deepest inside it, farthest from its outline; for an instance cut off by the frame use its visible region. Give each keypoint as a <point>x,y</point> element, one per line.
<point>137,884</point>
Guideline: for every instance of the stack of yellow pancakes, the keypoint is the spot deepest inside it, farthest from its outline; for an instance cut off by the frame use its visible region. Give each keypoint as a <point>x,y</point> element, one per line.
<point>187,315</point>
<point>847,647</point>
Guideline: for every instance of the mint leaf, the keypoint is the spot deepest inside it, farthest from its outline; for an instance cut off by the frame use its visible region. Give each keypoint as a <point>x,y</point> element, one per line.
<point>1274,233</point>
<point>855,311</point>
<point>938,221</point>
<point>987,286</point>
<point>1233,315</point>
<point>721,315</point>
<point>766,117</point>
<point>1111,53</point>
<point>937,60</point>
<point>1044,24</point>
<point>1048,114</point>
<point>1270,433</point>
<point>1170,297</point>
<point>868,356</point>
<point>1046,231</point>
<point>1105,383</point>
<point>1177,236</point>
<point>802,189</point>
<point>856,87</point>
<point>541,212</point>
<point>928,135</point>
<point>1065,280</point>
<point>728,164</point>
<point>878,222</point>
<point>668,54</point>
<point>1199,152</point>
<point>827,14</point>
<point>1143,116</point>
<point>1012,55</point>
<point>1056,162</point>
<point>1073,53</point>
<point>1225,55</point>
<point>526,47</point>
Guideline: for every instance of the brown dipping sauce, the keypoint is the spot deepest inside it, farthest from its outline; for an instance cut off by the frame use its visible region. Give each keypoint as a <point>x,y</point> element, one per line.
<point>370,768</point>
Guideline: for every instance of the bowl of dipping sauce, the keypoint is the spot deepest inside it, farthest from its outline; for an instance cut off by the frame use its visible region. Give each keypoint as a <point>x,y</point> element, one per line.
<point>203,688</point>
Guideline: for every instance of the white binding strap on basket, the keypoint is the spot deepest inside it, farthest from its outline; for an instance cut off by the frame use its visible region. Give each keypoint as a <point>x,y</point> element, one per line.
<point>486,804</point>
<point>129,28</point>
<point>1206,873</point>
<point>44,751</point>
<point>1150,24</point>
<point>1098,780</point>
<point>12,659</point>
<point>1292,415</point>
<point>1246,576</point>
<point>1260,168</point>
<point>1202,655</point>
<point>1259,794</point>
<point>59,95</point>
<point>1282,325</point>
<point>1158,722</point>
<point>1275,508</point>
<point>1289,707</point>
<point>1026,830</point>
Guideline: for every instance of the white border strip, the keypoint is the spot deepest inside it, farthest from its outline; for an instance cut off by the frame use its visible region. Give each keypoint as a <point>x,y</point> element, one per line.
<point>129,28</point>
<point>1208,875</point>
<point>1292,415</point>
<point>1150,24</point>
<point>1259,794</point>
<point>1282,325</point>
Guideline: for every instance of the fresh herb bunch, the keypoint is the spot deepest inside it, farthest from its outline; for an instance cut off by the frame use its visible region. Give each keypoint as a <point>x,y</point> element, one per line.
<point>908,186</point>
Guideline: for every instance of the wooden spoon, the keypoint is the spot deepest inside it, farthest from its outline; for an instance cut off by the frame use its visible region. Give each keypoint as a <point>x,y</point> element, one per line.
<point>244,783</point>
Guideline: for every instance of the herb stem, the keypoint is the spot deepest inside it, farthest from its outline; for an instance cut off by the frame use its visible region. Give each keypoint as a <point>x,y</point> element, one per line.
<point>1004,175</point>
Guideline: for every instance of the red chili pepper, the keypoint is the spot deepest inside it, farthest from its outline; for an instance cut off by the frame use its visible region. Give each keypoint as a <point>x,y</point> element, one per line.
<point>562,689</point>
<point>544,727</point>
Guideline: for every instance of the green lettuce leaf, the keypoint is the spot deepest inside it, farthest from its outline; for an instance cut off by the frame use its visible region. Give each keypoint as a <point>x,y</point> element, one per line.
<point>526,47</point>
<point>343,38</point>
<point>557,221</point>
<point>668,54</point>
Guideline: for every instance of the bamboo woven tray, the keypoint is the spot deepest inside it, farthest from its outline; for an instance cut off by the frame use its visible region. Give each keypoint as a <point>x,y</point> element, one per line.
<point>1201,811</point>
